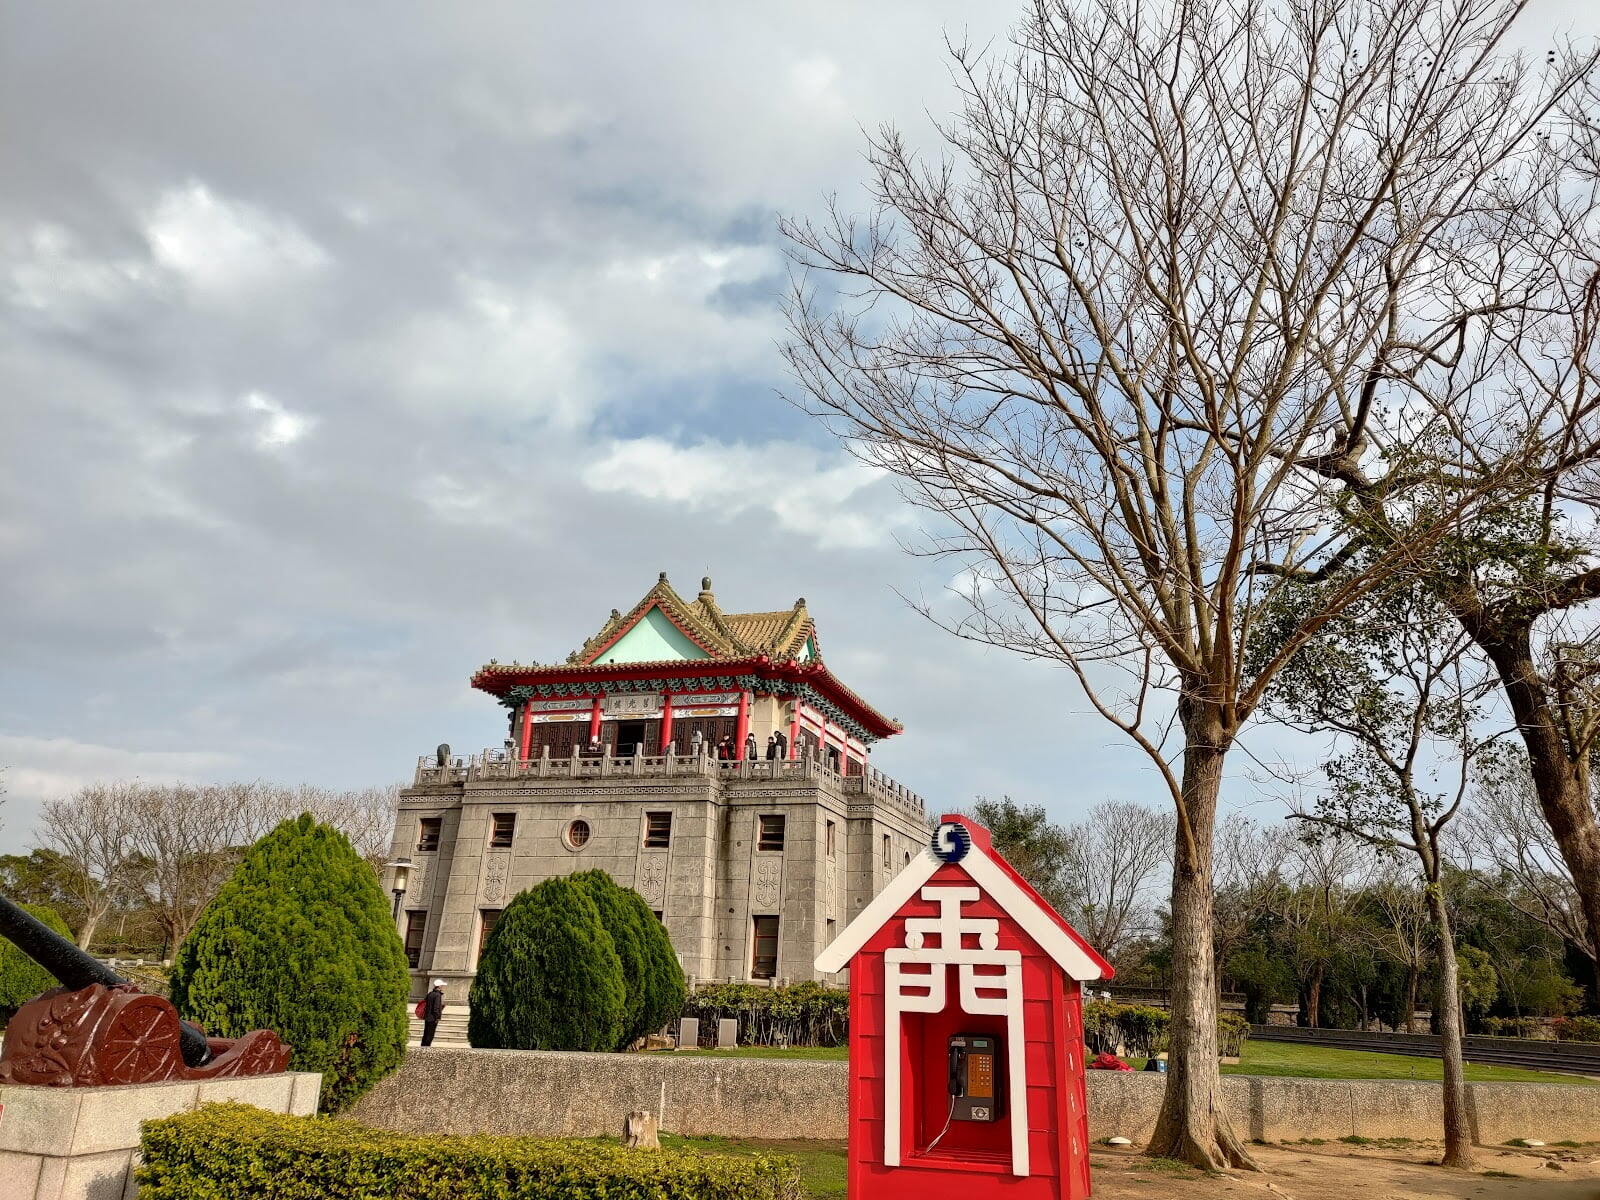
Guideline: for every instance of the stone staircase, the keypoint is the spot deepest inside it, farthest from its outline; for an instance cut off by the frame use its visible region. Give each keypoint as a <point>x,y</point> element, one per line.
<point>452,1029</point>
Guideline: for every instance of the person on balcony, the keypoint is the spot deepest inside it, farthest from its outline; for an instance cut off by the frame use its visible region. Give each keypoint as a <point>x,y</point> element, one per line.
<point>772,746</point>
<point>751,751</point>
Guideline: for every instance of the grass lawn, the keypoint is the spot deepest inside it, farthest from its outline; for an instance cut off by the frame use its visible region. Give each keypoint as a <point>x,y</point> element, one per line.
<point>1265,1058</point>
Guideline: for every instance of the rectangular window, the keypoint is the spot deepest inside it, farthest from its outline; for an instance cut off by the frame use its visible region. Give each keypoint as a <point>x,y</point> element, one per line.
<point>428,834</point>
<point>764,950</point>
<point>657,830</point>
<point>416,925</point>
<point>486,922</point>
<point>830,839</point>
<point>659,917</point>
<point>886,850</point>
<point>505,826</point>
<point>770,836</point>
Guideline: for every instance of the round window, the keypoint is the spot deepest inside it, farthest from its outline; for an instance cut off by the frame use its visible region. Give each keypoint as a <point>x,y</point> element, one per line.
<point>576,835</point>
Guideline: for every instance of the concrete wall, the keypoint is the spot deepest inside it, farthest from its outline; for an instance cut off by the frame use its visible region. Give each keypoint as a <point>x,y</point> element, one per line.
<point>528,1092</point>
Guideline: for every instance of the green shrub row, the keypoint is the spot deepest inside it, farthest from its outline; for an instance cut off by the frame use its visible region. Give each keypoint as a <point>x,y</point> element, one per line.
<point>1144,1030</point>
<point>798,1014</point>
<point>233,1152</point>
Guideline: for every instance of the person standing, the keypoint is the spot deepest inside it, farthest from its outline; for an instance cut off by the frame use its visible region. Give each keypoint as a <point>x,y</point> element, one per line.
<point>772,746</point>
<point>783,743</point>
<point>697,743</point>
<point>750,748</point>
<point>432,1010</point>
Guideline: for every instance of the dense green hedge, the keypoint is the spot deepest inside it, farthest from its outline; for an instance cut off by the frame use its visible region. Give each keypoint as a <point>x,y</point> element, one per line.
<point>1143,1029</point>
<point>550,977</point>
<point>233,1152</point>
<point>799,1014</point>
<point>301,940</point>
<point>652,977</point>
<point>21,979</point>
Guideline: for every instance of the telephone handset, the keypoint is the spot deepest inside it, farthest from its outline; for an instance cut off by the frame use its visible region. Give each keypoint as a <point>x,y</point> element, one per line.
<point>974,1077</point>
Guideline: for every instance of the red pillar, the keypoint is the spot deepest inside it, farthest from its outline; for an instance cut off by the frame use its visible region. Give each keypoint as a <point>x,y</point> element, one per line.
<point>527,728</point>
<point>794,730</point>
<point>594,720</point>
<point>666,721</point>
<point>741,729</point>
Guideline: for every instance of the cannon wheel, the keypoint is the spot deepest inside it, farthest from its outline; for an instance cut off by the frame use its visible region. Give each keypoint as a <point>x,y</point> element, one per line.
<point>139,1042</point>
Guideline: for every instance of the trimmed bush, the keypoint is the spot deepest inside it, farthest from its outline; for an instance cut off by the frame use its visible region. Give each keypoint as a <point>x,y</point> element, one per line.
<point>550,977</point>
<point>21,979</point>
<point>798,1014</point>
<point>1143,1029</point>
<point>241,1153</point>
<point>621,920</point>
<point>300,941</point>
<point>665,985</point>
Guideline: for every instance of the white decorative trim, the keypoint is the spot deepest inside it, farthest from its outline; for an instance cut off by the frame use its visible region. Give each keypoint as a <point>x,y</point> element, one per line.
<point>1018,905</point>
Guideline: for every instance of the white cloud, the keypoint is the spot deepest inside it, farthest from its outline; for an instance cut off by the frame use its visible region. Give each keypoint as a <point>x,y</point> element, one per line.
<point>39,768</point>
<point>817,496</point>
<point>53,274</point>
<point>278,427</point>
<point>218,245</point>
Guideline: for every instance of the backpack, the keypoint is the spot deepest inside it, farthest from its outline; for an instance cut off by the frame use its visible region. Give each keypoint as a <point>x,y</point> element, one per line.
<point>422,1008</point>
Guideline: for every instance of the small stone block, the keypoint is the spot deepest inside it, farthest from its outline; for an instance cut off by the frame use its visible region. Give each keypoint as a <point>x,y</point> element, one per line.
<point>270,1092</point>
<point>307,1091</point>
<point>109,1117</point>
<point>19,1174</point>
<point>688,1033</point>
<point>39,1120</point>
<point>89,1177</point>
<point>727,1033</point>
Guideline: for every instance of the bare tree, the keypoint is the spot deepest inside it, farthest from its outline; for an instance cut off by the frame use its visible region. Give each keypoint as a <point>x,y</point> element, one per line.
<point>1318,905</point>
<point>1408,925</point>
<point>1104,342</point>
<point>1111,869</point>
<point>93,832</point>
<point>1506,837</point>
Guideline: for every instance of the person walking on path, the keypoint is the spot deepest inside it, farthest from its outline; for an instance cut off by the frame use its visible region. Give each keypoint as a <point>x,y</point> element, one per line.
<point>432,1010</point>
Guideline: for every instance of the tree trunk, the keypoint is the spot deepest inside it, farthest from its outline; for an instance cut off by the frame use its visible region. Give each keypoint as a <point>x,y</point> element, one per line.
<point>1314,999</point>
<point>1560,778</point>
<point>91,922</point>
<point>1193,1126</point>
<point>1447,1003</point>
<point>1413,974</point>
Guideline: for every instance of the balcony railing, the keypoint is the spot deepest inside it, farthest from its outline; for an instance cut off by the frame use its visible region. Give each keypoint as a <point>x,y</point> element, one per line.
<point>496,765</point>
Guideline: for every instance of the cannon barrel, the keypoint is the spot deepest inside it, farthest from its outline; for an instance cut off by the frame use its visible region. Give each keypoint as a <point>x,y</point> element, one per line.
<point>75,969</point>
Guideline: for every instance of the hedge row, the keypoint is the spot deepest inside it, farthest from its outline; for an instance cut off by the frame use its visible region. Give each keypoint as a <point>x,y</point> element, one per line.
<point>1143,1029</point>
<point>234,1152</point>
<point>798,1014</point>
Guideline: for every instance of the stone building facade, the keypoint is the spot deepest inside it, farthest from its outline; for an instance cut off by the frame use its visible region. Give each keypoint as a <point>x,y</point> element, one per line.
<point>752,863</point>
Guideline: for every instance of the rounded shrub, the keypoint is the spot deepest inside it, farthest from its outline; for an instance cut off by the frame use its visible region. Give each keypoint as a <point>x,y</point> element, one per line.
<point>550,977</point>
<point>665,987</point>
<point>300,941</point>
<point>621,920</point>
<point>21,979</point>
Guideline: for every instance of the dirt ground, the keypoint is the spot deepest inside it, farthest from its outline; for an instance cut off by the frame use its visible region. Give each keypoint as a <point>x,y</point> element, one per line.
<point>1336,1171</point>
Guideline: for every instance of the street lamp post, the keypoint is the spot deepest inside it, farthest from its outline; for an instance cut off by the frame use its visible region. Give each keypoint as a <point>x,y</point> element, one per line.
<point>402,871</point>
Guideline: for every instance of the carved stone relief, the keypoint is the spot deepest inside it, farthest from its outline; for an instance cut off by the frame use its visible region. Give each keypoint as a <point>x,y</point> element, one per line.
<point>650,881</point>
<point>766,885</point>
<point>495,870</point>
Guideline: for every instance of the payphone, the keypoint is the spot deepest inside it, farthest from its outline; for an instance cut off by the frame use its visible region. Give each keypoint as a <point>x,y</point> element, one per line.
<point>975,1085</point>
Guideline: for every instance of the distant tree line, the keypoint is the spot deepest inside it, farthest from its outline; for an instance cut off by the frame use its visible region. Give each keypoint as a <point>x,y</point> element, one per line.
<point>130,865</point>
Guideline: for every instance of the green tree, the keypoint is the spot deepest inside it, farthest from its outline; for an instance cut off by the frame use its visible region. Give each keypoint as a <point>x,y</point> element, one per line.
<point>1478,982</point>
<point>21,979</point>
<point>550,977</point>
<point>300,940</point>
<point>623,923</point>
<point>668,990</point>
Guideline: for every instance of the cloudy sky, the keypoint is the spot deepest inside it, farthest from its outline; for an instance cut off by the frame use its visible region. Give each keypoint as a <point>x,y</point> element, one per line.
<point>346,347</point>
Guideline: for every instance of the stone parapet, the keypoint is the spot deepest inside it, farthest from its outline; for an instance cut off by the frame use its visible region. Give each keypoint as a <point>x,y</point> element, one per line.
<point>82,1143</point>
<point>583,1095</point>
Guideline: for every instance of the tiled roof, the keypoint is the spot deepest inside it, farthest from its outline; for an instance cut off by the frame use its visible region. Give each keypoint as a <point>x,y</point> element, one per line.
<point>779,636</point>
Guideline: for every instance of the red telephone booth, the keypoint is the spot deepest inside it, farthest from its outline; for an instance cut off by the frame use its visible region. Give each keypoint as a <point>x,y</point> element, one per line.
<point>966,1032</point>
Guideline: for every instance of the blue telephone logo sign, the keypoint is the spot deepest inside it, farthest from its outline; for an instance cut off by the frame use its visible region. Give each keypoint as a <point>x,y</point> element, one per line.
<point>951,841</point>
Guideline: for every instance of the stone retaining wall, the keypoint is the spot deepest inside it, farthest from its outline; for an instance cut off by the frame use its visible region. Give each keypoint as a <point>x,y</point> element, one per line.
<point>444,1090</point>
